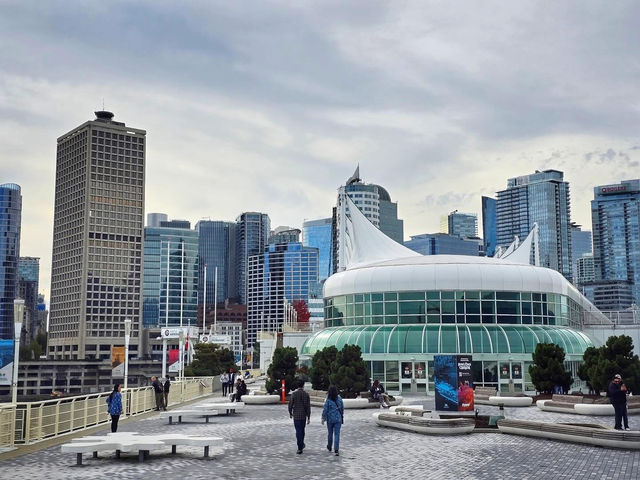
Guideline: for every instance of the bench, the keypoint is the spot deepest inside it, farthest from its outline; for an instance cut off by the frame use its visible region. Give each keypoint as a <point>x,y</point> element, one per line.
<point>199,412</point>
<point>260,399</point>
<point>521,401</point>
<point>229,407</point>
<point>143,444</point>
<point>481,395</point>
<point>593,434</point>
<point>363,400</point>
<point>424,425</point>
<point>413,410</point>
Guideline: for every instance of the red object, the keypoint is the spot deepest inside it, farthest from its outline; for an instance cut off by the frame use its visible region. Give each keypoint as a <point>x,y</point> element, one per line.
<point>283,391</point>
<point>302,311</point>
<point>174,355</point>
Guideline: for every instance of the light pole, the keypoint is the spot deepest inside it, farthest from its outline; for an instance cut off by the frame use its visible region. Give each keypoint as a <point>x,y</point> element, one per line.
<point>18,311</point>
<point>127,335</point>
<point>181,371</point>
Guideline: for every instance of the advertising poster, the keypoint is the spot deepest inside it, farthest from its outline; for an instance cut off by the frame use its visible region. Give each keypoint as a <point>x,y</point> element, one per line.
<point>516,371</point>
<point>406,370</point>
<point>445,379</point>
<point>504,371</point>
<point>6,362</point>
<point>174,360</point>
<point>421,372</point>
<point>465,384</point>
<point>117,362</point>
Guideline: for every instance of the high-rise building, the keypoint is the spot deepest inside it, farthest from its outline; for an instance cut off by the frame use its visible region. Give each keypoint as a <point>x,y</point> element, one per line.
<point>252,235</point>
<point>96,273</point>
<point>10,220</point>
<point>585,273</point>
<point>317,234</point>
<point>489,225</point>
<point>285,235</point>
<point>170,284</point>
<point>283,274</point>
<point>442,244</point>
<point>154,219</point>
<point>615,215</point>
<point>29,274</point>
<point>216,249</point>
<point>542,198</point>
<point>580,246</point>
<point>458,224</point>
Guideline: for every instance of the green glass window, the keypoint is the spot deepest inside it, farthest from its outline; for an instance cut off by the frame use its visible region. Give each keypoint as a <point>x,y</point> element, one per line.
<point>359,298</point>
<point>408,308</point>
<point>391,373</point>
<point>414,340</point>
<point>431,339</point>
<point>411,296</point>
<point>558,339</point>
<point>460,307</point>
<point>349,310</point>
<point>537,309</point>
<point>448,307</point>
<point>488,295</point>
<point>341,300</point>
<point>448,319</point>
<point>397,340</point>
<point>447,295</point>
<point>376,297</point>
<point>377,308</point>
<point>433,295</point>
<point>515,340</point>
<point>529,339</point>
<point>433,318</point>
<point>472,307</point>
<point>508,308</point>
<point>469,295</point>
<point>390,307</point>
<point>377,370</point>
<point>367,309</point>
<point>391,296</point>
<point>380,340</point>
<point>480,339</point>
<point>433,307</point>
<point>488,319</point>
<point>526,308</point>
<point>377,320</point>
<point>448,339</point>
<point>459,295</point>
<point>508,295</point>
<point>473,318</point>
<point>488,307</point>
<point>349,298</point>
<point>359,309</point>
<point>464,340</point>
<point>525,296</point>
<point>500,343</point>
<point>391,319</point>
<point>527,320</point>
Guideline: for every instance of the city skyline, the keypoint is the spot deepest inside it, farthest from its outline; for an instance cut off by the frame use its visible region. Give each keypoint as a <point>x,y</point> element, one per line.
<point>438,107</point>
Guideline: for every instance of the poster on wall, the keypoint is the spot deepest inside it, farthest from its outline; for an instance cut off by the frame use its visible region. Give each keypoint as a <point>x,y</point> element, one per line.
<point>504,371</point>
<point>117,362</point>
<point>6,362</point>
<point>516,371</point>
<point>453,382</point>
<point>406,370</point>
<point>420,370</point>
<point>465,384</point>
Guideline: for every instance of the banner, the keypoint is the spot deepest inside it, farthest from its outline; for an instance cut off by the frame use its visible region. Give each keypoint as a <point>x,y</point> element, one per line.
<point>117,361</point>
<point>453,382</point>
<point>6,362</point>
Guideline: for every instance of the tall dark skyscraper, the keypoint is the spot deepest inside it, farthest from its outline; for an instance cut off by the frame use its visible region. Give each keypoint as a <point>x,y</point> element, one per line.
<point>252,235</point>
<point>217,250</point>
<point>29,275</point>
<point>542,198</point>
<point>489,225</point>
<point>615,215</point>
<point>96,272</point>
<point>10,220</point>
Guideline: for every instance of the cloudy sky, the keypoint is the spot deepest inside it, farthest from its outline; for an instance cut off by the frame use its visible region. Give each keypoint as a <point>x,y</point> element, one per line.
<point>269,106</point>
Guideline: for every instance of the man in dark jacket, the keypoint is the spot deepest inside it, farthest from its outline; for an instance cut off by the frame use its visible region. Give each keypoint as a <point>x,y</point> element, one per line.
<point>618,396</point>
<point>241,389</point>
<point>166,386</point>
<point>157,390</point>
<point>300,410</point>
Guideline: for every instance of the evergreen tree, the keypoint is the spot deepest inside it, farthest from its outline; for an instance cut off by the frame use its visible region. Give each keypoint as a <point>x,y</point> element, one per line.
<point>321,367</point>
<point>283,366</point>
<point>210,360</point>
<point>614,357</point>
<point>349,372</point>
<point>548,369</point>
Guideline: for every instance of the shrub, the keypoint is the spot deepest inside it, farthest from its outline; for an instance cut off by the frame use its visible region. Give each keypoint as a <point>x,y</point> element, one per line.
<point>349,372</point>
<point>283,366</point>
<point>321,367</point>
<point>548,369</point>
<point>615,356</point>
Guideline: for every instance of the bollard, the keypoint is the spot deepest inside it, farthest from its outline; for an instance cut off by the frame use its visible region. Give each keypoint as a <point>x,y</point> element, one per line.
<point>283,392</point>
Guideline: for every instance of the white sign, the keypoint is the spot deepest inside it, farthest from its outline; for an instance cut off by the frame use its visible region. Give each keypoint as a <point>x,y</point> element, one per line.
<point>174,332</point>
<point>218,339</point>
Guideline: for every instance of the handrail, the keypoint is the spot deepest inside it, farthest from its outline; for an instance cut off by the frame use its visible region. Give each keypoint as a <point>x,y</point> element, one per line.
<point>29,422</point>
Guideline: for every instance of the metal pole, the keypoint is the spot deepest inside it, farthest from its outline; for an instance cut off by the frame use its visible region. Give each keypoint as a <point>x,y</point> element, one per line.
<point>215,300</point>
<point>127,334</point>
<point>181,281</point>
<point>166,318</point>
<point>18,311</point>
<point>204,302</point>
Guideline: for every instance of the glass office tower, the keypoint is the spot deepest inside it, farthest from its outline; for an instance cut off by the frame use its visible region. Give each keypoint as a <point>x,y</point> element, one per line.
<point>285,272</point>
<point>252,235</point>
<point>29,274</point>
<point>170,297</point>
<point>442,244</point>
<point>615,213</point>
<point>216,248</point>
<point>10,220</point>
<point>489,225</point>
<point>317,234</point>
<point>542,198</point>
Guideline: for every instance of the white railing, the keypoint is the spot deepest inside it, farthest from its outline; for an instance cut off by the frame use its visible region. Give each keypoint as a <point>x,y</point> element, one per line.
<point>30,422</point>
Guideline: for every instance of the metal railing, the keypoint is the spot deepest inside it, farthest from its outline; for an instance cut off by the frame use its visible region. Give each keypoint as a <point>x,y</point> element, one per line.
<point>29,422</point>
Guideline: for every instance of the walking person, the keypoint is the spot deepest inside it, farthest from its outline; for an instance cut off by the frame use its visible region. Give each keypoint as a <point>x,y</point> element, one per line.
<point>114,402</point>
<point>157,390</point>
<point>166,386</point>
<point>333,414</point>
<point>300,411</point>
<point>617,392</point>
<point>224,380</point>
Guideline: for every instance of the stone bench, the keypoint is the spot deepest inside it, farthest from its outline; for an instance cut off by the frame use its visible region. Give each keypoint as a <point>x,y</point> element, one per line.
<point>229,407</point>
<point>511,401</point>
<point>143,444</point>
<point>424,425</point>
<point>481,395</point>
<point>414,410</point>
<point>199,412</point>
<point>364,400</point>
<point>589,434</point>
<point>260,399</point>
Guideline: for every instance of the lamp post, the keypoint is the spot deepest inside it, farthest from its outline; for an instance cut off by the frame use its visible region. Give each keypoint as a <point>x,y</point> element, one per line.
<point>127,335</point>
<point>181,371</point>
<point>18,311</point>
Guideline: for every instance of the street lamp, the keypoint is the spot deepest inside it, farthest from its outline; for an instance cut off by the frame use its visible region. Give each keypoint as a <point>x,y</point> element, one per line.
<point>18,312</point>
<point>127,334</point>
<point>181,370</point>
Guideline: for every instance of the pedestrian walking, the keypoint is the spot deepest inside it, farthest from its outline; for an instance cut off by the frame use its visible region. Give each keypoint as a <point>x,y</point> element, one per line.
<point>300,411</point>
<point>231,381</point>
<point>166,386</point>
<point>333,414</point>
<point>157,390</point>
<point>617,393</point>
<point>224,380</point>
<point>114,403</point>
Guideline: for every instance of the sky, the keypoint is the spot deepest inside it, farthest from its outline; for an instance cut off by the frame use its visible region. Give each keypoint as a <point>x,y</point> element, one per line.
<point>270,106</point>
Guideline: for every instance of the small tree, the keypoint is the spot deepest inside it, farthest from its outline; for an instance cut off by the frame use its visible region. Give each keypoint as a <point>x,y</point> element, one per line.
<point>210,360</point>
<point>321,367</point>
<point>615,356</point>
<point>349,372</point>
<point>283,366</point>
<point>548,369</point>
<point>302,311</point>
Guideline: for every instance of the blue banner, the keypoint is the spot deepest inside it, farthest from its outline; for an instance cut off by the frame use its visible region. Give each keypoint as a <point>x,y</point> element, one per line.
<point>6,361</point>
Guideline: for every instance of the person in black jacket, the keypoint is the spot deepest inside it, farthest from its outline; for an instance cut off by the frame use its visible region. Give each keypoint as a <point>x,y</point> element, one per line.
<point>166,386</point>
<point>617,392</point>
<point>157,390</point>
<point>241,389</point>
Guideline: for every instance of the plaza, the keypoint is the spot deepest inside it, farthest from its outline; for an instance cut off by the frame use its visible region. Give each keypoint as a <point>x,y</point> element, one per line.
<point>260,444</point>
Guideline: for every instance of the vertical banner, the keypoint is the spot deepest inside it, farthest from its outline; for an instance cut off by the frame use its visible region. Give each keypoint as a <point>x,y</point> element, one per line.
<point>6,362</point>
<point>174,360</point>
<point>117,362</point>
<point>445,379</point>
<point>465,384</point>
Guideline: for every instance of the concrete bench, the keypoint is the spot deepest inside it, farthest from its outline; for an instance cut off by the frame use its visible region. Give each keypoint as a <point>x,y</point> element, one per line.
<point>143,444</point>
<point>414,410</point>
<point>260,399</point>
<point>229,407</point>
<point>424,425</point>
<point>593,434</point>
<point>196,412</point>
<point>511,401</point>
<point>481,395</point>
